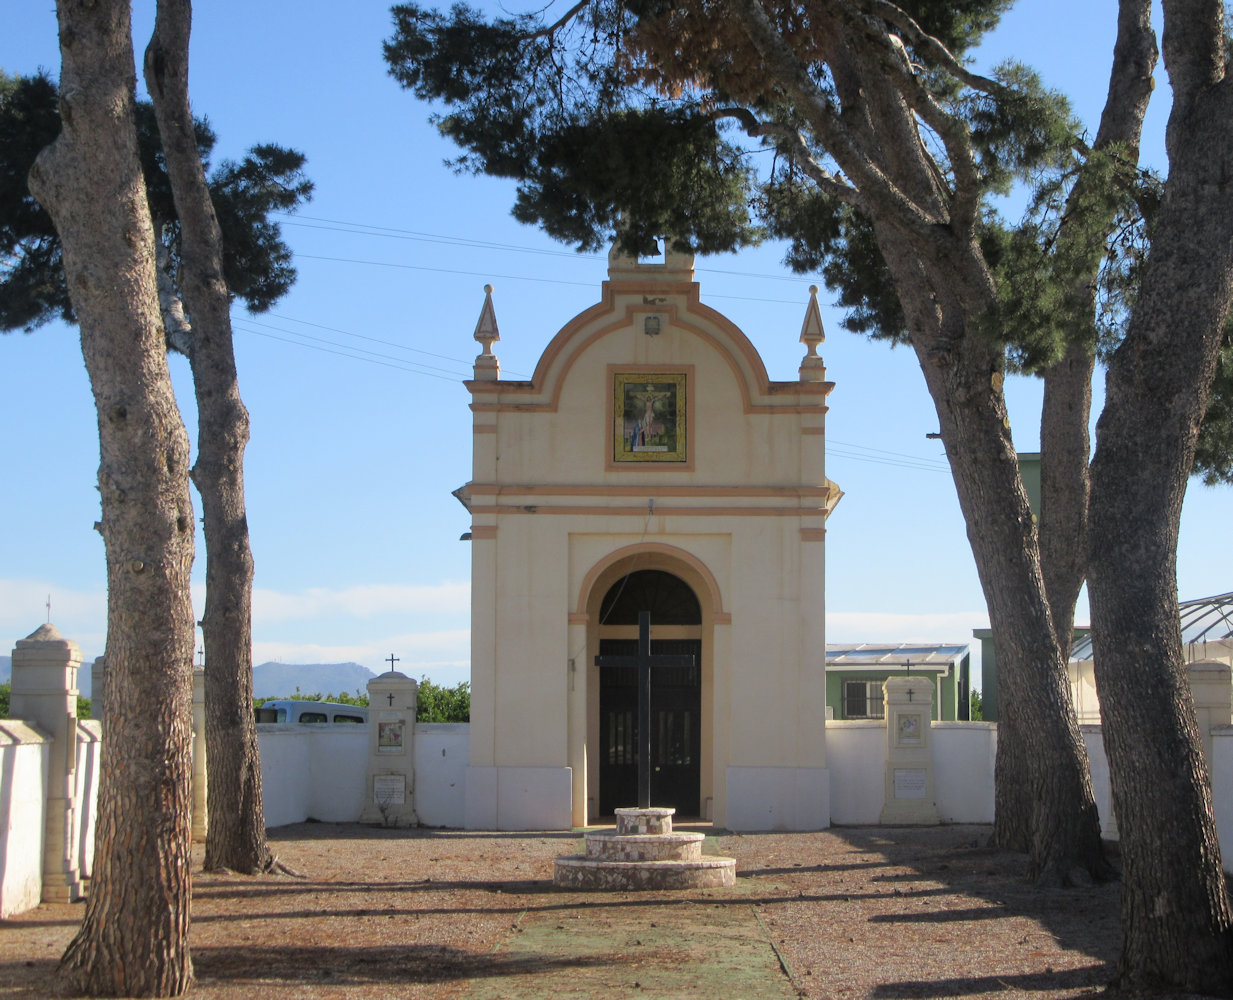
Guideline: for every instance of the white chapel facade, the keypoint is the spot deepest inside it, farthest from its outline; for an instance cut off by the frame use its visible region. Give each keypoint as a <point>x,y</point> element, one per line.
<point>649,465</point>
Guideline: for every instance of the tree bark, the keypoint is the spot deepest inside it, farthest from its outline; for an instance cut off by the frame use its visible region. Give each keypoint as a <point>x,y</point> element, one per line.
<point>1065,445</point>
<point>1065,442</point>
<point>1177,923</point>
<point>133,940</point>
<point>944,286</point>
<point>235,837</point>
<point>1052,811</point>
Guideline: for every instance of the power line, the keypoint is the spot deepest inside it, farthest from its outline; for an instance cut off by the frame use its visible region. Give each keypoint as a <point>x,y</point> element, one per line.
<point>392,232</point>
<point>835,449</point>
<point>937,463</point>
<point>389,232</point>
<point>464,362</point>
<point>419,365</point>
<point>921,465</point>
<point>372,359</point>
<point>441,270</point>
<point>518,277</point>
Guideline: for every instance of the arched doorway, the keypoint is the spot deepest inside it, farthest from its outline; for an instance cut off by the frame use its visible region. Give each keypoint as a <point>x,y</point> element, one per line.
<point>676,693</point>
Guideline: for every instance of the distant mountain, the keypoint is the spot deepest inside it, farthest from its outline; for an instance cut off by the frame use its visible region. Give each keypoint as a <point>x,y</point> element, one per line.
<point>280,680</point>
<point>270,680</point>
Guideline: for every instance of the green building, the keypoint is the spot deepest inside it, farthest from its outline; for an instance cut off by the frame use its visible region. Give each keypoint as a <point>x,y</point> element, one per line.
<point>855,675</point>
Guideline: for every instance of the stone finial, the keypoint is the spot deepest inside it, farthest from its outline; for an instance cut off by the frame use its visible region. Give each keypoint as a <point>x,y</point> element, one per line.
<point>487,367</point>
<point>812,334</point>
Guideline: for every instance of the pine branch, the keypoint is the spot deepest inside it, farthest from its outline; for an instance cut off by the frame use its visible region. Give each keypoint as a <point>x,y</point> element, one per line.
<point>874,185</point>
<point>792,141</point>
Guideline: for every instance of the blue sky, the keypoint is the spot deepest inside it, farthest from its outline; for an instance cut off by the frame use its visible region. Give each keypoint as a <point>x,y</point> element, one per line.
<point>360,420</point>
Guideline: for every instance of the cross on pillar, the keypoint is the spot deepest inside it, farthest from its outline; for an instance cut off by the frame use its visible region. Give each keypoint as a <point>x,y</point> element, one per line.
<point>391,660</point>
<point>644,661</point>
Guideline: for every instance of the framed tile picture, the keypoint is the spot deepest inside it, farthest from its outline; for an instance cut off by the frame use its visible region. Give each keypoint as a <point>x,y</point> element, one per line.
<point>649,411</point>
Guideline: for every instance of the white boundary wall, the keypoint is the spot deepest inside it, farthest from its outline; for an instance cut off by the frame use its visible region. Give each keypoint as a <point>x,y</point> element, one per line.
<point>85,805</point>
<point>318,772</point>
<point>25,754</point>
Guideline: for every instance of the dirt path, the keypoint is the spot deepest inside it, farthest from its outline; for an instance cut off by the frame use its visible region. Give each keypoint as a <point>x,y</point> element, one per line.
<point>712,947</point>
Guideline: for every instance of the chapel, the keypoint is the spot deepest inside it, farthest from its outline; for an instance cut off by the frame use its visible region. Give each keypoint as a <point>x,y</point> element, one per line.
<point>648,466</point>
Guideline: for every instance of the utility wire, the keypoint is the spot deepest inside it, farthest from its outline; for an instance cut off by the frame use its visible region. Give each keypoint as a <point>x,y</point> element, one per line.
<point>512,277</point>
<point>391,232</point>
<point>465,364</point>
<point>835,449</point>
<point>372,359</point>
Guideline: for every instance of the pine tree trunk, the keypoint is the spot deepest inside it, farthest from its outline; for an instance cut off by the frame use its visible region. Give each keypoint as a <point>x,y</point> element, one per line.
<point>1091,212</point>
<point>1177,924</point>
<point>1050,808</point>
<point>1012,798</point>
<point>236,837</point>
<point>1065,446</point>
<point>1059,819</point>
<point>133,939</point>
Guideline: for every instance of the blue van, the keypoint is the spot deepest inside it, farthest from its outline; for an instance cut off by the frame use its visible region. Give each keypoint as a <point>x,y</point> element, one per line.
<point>311,712</point>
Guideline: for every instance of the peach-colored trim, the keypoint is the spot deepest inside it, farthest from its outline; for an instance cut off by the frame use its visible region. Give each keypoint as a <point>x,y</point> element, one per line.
<point>730,343</point>
<point>499,385</point>
<point>482,532</point>
<point>663,556</point>
<point>660,511</point>
<point>659,490</point>
<point>813,534</point>
<point>690,384</point>
<point>579,618</point>
<point>551,407</point>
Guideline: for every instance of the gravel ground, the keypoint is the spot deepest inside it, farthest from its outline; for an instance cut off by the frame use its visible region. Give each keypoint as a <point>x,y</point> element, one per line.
<point>844,913</point>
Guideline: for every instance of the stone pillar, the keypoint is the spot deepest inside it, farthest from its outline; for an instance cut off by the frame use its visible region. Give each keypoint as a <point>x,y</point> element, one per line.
<point>201,815</point>
<point>1213,698</point>
<point>45,693</point>
<point>909,794</point>
<point>389,794</point>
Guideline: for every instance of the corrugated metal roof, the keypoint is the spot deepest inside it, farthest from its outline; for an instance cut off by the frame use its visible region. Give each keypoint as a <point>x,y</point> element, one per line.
<point>1204,618</point>
<point>906,655</point>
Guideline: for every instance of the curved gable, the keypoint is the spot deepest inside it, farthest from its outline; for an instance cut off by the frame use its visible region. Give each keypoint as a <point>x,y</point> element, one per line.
<point>635,294</point>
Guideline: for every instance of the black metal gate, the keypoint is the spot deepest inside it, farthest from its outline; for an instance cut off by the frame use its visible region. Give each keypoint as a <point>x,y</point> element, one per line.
<point>676,736</point>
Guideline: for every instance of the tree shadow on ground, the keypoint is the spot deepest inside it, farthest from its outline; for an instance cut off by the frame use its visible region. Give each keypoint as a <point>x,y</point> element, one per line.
<point>947,884</point>
<point>312,830</point>
<point>353,966</point>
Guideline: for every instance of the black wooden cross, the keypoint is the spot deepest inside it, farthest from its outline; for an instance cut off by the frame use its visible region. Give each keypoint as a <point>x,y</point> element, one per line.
<point>644,661</point>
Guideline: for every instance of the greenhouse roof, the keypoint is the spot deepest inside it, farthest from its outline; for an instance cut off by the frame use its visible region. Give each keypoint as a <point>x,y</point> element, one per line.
<point>1202,619</point>
<point>912,654</point>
